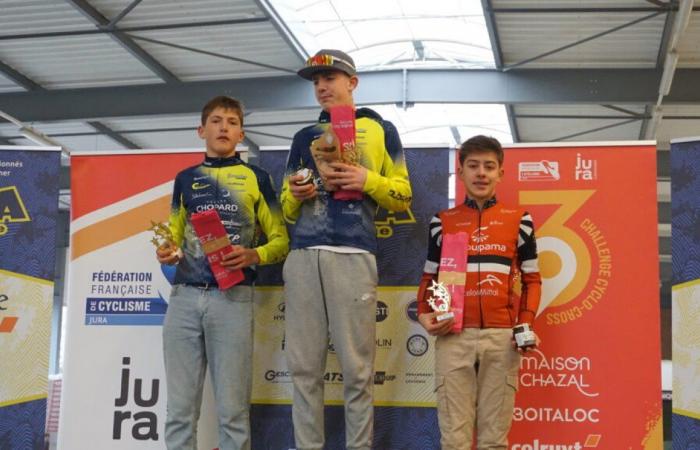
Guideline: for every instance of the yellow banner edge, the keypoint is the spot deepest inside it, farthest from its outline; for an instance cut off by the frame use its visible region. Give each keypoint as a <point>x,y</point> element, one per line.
<point>687,284</point>
<point>17,401</point>
<point>682,412</point>
<point>26,277</point>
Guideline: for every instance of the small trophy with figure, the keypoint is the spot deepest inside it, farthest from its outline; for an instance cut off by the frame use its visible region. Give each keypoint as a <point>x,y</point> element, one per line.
<point>440,301</point>
<point>524,336</point>
<point>163,237</point>
<point>307,176</point>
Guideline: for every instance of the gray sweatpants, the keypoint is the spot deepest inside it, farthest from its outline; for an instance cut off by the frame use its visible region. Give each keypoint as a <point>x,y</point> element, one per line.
<point>330,292</point>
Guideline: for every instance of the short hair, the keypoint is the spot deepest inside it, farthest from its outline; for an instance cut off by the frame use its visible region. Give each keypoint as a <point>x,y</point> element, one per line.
<point>224,102</point>
<point>481,144</point>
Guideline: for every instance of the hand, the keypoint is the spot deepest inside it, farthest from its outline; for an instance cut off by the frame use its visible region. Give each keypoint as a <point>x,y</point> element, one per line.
<point>432,326</point>
<point>345,176</point>
<point>303,192</point>
<point>239,258</point>
<point>168,254</point>
<point>529,349</point>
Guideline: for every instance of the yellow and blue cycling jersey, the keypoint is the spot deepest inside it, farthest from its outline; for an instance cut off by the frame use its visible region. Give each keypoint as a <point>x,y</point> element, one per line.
<point>245,199</point>
<point>326,221</point>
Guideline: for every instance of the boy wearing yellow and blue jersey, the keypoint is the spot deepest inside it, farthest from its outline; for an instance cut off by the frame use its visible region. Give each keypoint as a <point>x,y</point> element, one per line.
<point>204,324</point>
<point>331,273</point>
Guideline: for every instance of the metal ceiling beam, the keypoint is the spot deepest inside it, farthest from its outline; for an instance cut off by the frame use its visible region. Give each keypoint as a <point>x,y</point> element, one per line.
<point>645,122</point>
<point>214,54</point>
<point>660,57</point>
<point>133,29</point>
<point>252,126</point>
<point>247,127</point>
<point>122,39</point>
<point>576,116</point>
<point>273,16</point>
<point>513,122</point>
<point>623,110</point>
<point>278,136</point>
<point>117,137</point>
<point>670,66</point>
<point>19,78</point>
<point>123,14</point>
<point>492,28</point>
<point>31,85</point>
<point>253,150</point>
<point>593,130</point>
<point>582,41</point>
<point>455,134</point>
<point>534,86</point>
<point>602,117</point>
<point>575,10</point>
<point>666,36</point>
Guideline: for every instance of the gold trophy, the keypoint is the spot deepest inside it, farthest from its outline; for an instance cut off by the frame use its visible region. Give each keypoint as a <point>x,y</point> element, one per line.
<point>337,143</point>
<point>325,150</point>
<point>440,301</point>
<point>163,238</point>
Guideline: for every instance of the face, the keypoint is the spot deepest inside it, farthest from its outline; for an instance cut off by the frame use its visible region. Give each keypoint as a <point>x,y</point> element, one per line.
<point>333,88</point>
<point>221,132</point>
<point>480,173</point>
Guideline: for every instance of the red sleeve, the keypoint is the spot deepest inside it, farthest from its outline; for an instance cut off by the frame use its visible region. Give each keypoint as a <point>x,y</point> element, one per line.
<point>530,297</point>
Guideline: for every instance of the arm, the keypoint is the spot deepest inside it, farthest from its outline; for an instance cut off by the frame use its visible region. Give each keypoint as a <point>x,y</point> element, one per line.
<point>390,187</point>
<point>291,199</point>
<point>531,279</point>
<point>176,223</point>
<point>269,215</point>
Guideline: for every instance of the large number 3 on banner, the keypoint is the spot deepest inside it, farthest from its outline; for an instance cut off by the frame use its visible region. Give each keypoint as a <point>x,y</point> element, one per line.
<point>565,261</point>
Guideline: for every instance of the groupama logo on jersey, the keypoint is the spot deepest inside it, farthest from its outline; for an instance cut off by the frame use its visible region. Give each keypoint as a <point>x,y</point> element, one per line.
<point>12,208</point>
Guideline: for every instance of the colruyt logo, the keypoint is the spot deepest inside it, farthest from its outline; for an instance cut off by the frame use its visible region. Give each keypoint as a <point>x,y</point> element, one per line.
<point>592,441</point>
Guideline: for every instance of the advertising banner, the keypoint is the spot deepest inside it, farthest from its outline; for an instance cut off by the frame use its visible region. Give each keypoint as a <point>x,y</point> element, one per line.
<point>594,382</point>
<point>685,197</point>
<point>28,213</point>
<point>113,386</point>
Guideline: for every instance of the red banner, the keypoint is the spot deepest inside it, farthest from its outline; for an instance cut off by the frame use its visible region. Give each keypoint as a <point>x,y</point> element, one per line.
<point>594,382</point>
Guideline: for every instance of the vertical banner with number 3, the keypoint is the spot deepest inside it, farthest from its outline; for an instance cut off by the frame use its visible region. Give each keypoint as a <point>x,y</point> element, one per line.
<point>594,382</point>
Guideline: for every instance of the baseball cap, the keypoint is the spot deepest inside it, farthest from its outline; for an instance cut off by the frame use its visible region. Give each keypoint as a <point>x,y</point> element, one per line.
<point>328,59</point>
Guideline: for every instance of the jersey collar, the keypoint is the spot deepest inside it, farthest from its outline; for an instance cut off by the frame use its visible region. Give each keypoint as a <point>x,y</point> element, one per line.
<point>210,161</point>
<point>471,203</point>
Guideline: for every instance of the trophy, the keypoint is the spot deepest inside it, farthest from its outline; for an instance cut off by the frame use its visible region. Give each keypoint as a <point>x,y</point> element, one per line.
<point>337,143</point>
<point>325,150</point>
<point>524,336</point>
<point>440,301</point>
<point>163,237</point>
<point>307,176</point>
<point>452,273</point>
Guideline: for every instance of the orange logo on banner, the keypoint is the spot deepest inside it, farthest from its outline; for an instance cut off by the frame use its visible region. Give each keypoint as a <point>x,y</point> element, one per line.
<point>592,440</point>
<point>7,324</point>
<point>565,259</point>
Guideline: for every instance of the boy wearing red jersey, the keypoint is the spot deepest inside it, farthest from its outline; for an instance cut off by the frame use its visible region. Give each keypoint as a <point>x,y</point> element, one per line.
<point>476,369</point>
